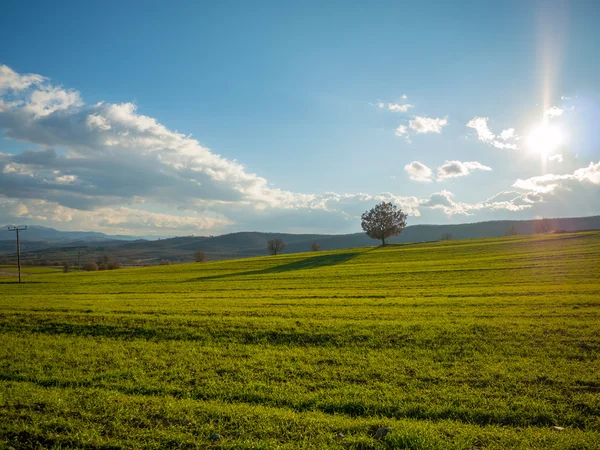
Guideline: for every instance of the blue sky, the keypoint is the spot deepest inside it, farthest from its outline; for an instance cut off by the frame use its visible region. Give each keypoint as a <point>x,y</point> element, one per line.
<point>160,118</point>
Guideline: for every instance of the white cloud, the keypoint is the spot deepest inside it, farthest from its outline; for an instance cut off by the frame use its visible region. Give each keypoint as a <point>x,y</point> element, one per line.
<point>564,97</point>
<point>66,179</point>
<point>590,173</point>
<point>507,134</point>
<point>479,124</point>
<point>404,97</point>
<point>11,80</point>
<point>558,158</point>
<point>399,108</point>
<point>401,130</point>
<point>554,111</point>
<point>111,220</point>
<point>427,124</point>
<point>16,168</point>
<point>451,169</point>
<point>108,167</point>
<point>418,171</point>
<point>51,99</point>
<point>444,201</point>
<point>572,194</point>
<point>549,183</point>
<point>96,121</point>
<point>503,145</point>
<point>484,134</point>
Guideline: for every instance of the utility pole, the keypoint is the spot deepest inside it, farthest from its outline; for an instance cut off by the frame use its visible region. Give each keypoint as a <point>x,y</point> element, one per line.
<point>17,229</point>
<point>78,254</point>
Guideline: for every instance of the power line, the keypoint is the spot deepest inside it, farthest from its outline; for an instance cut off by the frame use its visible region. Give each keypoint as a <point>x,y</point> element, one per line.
<point>17,229</point>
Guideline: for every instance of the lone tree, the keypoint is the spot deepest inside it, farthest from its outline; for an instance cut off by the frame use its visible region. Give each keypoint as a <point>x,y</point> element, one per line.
<point>446,237</point>
<point>274,246</point>
<point>200,256</point>
<point>383,221</point>
<point>315,246</point>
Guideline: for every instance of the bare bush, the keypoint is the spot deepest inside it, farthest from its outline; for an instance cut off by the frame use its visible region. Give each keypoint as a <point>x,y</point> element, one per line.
<point>275,246</point>
<point>90,267</point>
<point>200,256</point>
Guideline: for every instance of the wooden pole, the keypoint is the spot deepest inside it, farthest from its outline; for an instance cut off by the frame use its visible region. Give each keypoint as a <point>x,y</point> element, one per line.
<point>19,254</point>
<point>17,229</point>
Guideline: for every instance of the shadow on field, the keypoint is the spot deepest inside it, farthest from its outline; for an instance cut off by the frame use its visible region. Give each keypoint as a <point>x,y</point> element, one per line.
<point>313,262</point>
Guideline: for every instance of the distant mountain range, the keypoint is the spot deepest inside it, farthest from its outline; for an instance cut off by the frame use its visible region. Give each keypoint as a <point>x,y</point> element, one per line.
<point>50,245</point>
<point>38,233</point>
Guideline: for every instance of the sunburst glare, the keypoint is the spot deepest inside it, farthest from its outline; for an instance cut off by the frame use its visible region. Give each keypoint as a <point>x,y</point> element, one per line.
<point>545,139</point>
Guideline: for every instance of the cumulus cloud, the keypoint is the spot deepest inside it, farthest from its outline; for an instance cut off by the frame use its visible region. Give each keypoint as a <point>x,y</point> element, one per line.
<point>452,169</point>
<point>480,125</point>
<point>399,108</point>
<point>549,183</point>
<point>564,194</point>
<point>401,130</point>
<point>112,220</point>
<point>12,81</point>
<point>557,157</point>
<point>427,124</point>
<point>109,161</point>
<point>95,121</point>
<point>507,134</point>
<point>418,171</point>
<point>108,167</point>
<point>444,201</point>
<point>115,151</point>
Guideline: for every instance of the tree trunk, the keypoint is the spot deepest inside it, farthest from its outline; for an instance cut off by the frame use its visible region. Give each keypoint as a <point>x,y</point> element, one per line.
<point>383,241</point>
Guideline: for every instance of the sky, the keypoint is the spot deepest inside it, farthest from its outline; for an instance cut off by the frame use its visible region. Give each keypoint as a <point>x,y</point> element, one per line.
<point>203,118</point>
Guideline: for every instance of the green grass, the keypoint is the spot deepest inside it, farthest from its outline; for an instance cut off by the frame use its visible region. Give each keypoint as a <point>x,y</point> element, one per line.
<point>468,344</point>
<point>11,270</point>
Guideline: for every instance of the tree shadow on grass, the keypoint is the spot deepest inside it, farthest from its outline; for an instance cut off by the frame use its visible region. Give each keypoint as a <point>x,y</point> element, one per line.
<point>313,262</point>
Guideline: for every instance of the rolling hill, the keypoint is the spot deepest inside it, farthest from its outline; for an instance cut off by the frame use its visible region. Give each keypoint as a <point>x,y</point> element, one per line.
<point>58,246</point>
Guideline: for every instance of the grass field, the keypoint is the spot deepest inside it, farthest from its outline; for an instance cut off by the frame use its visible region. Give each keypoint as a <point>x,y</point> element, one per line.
<point>467,344</point>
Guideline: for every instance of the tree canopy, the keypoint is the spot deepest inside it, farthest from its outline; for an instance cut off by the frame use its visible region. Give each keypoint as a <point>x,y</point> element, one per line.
<point>383,221</point>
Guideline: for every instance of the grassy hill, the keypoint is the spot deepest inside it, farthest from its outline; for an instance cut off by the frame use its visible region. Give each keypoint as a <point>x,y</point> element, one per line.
<point>487,343</point>
<point>249,244</point>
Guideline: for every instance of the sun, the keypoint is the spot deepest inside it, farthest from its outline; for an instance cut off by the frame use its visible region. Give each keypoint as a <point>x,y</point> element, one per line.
<point>545,139</point>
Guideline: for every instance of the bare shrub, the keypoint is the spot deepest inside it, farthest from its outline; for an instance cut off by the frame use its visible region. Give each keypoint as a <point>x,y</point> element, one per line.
<point>275,246</point>
<point>90,267</point>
